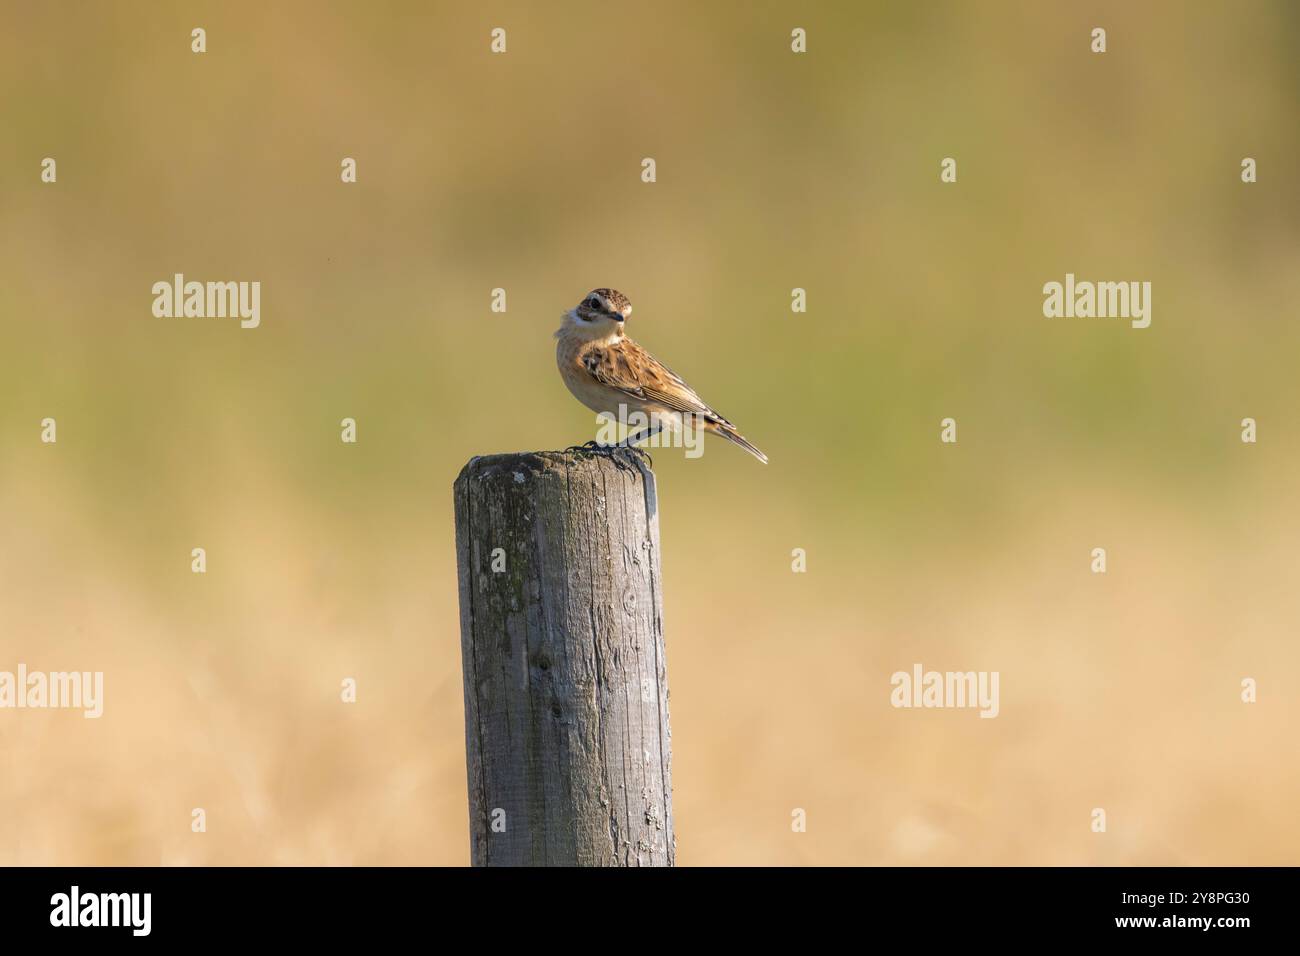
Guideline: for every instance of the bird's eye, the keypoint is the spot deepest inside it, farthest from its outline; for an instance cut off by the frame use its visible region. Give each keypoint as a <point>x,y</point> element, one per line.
<point>593,303</point>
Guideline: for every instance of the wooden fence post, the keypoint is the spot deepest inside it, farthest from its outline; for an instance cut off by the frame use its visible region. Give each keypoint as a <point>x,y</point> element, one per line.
<point>566,691</point>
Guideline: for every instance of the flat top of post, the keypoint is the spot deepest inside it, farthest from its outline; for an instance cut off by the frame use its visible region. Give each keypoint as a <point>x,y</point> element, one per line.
<point>528,464</point>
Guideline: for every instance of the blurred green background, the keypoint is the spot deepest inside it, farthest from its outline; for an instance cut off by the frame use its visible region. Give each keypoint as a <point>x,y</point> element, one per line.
<point>775,171</point>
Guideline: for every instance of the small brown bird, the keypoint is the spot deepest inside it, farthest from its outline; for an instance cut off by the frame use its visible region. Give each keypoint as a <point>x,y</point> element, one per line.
<point>604,369</point>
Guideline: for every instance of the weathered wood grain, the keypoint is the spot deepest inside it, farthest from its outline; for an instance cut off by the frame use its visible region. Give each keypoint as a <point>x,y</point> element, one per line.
<point>566,691</point>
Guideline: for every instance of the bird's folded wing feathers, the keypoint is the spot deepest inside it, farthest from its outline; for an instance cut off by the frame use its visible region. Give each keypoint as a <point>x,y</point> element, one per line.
<point>632,370</point>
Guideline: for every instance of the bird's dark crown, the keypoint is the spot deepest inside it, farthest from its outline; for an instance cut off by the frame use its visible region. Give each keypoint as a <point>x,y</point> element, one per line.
<point>605,302</point>
<point>617,300</point>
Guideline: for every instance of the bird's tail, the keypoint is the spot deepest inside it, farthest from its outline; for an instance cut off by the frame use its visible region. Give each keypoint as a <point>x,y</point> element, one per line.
<point>735,437</point>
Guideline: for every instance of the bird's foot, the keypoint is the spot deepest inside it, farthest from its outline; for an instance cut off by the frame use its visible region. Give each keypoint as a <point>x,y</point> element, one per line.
<point>613,451</point>
<point>592,445</point>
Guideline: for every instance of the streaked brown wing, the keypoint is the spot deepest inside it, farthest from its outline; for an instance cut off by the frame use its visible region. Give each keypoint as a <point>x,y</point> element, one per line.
<point>631,369</point>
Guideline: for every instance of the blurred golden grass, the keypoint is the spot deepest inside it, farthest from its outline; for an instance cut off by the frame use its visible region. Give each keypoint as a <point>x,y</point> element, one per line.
<point>1117,692</point>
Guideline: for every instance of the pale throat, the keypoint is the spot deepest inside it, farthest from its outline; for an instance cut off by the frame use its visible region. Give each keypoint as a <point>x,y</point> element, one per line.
<point>612,337</point>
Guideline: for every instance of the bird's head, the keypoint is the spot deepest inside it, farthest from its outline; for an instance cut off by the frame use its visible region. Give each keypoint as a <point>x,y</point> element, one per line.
<point>600,314</point>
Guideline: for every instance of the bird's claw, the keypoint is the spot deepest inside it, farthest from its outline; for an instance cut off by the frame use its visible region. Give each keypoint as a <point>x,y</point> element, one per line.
<point>612,451</point>
<point>592,445</point>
